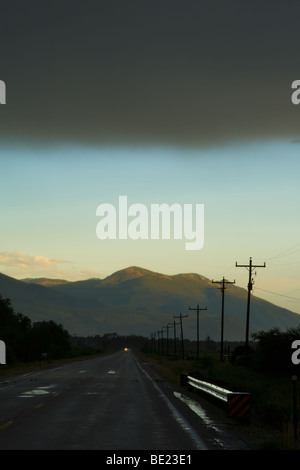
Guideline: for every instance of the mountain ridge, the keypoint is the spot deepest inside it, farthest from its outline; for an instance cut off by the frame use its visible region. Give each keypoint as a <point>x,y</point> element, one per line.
<point>135,300</point>
<point>44,281</point>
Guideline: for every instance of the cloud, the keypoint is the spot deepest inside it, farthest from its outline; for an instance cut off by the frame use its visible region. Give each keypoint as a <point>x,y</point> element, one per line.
<point>175,72</point>
<point>18,264</point>
<point>18,259</point>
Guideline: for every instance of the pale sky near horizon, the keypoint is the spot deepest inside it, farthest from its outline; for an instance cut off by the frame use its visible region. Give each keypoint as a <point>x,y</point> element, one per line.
<point>250,193</point>
<point>169,101</point>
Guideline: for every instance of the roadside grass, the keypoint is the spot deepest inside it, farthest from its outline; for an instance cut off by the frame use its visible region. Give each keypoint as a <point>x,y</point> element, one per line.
<point>7,371</point>
<point>272,398</point>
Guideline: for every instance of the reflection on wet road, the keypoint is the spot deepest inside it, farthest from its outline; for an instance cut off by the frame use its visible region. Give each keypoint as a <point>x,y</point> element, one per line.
<point>111,402</point>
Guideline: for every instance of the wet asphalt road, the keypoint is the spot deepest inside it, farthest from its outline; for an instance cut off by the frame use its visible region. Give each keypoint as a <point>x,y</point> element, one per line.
<point>104,403</point>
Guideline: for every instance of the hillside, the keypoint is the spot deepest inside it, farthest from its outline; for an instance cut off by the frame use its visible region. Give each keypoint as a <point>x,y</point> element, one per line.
<point>43,281</point>
<point>139,301</point>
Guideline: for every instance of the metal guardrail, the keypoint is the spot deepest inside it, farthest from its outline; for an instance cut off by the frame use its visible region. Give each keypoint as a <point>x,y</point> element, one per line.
<point>207,387</point>
<point>238,403</point>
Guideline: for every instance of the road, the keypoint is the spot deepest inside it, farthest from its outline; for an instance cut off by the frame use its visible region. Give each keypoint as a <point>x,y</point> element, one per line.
<point>110,402</point>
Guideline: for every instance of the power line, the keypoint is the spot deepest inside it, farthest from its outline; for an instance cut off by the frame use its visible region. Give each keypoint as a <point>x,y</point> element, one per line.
<point>285,264</point>
<point>285,252</point>
<point>276,293</point>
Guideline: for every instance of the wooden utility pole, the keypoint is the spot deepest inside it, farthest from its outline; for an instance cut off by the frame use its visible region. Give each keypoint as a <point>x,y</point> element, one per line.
<point>158,341</point>
<point>174,326</point>
<point>167,330</point>
<point>250,267</point>
<point>223,284</point>
<point>182,343</point>
<point>198,309</point>
<point>162,341</point>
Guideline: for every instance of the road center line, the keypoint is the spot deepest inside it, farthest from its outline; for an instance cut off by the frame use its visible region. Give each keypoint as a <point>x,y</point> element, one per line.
<point>39,405</point>
<point>4,426</point>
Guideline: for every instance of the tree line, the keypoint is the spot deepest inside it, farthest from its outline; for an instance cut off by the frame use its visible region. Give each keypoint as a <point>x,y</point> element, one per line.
<point>26,341</point>
<point>271,351</point>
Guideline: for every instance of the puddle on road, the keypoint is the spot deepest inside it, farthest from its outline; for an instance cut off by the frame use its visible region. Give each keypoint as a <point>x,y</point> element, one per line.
<point>196,407</point>
<point>36,392</point>
<point>223,439</point>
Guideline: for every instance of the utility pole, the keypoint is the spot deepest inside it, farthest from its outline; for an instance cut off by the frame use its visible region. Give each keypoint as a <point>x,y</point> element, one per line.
<point>250,267</point>
<point>158,341</point>
<point>223,284</point>
<point>151,343</point>
<point>198,309</point>
<point>154,342</point>
<point>162,342</point>
<point>182,344</point>
<point>174,326</point>
<point>167,329</point>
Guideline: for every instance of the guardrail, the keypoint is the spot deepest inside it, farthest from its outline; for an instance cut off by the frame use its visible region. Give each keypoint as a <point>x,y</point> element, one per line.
<point>238,403</point>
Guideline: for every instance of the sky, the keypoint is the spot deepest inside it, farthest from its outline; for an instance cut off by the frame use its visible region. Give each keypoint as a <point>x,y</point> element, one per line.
<point>185,102</point>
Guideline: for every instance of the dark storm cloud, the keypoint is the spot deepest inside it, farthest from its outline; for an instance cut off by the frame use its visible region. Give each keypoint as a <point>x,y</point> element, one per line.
<point>160,71</point>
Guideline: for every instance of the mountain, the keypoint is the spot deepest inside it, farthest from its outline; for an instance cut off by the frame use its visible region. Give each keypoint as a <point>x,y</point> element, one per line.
<point>139,301</point>
<point>43,281</point>
<point>41,303</point>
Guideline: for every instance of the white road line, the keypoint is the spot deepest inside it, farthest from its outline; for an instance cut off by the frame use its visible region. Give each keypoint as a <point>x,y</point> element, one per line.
<point>177,415</point>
